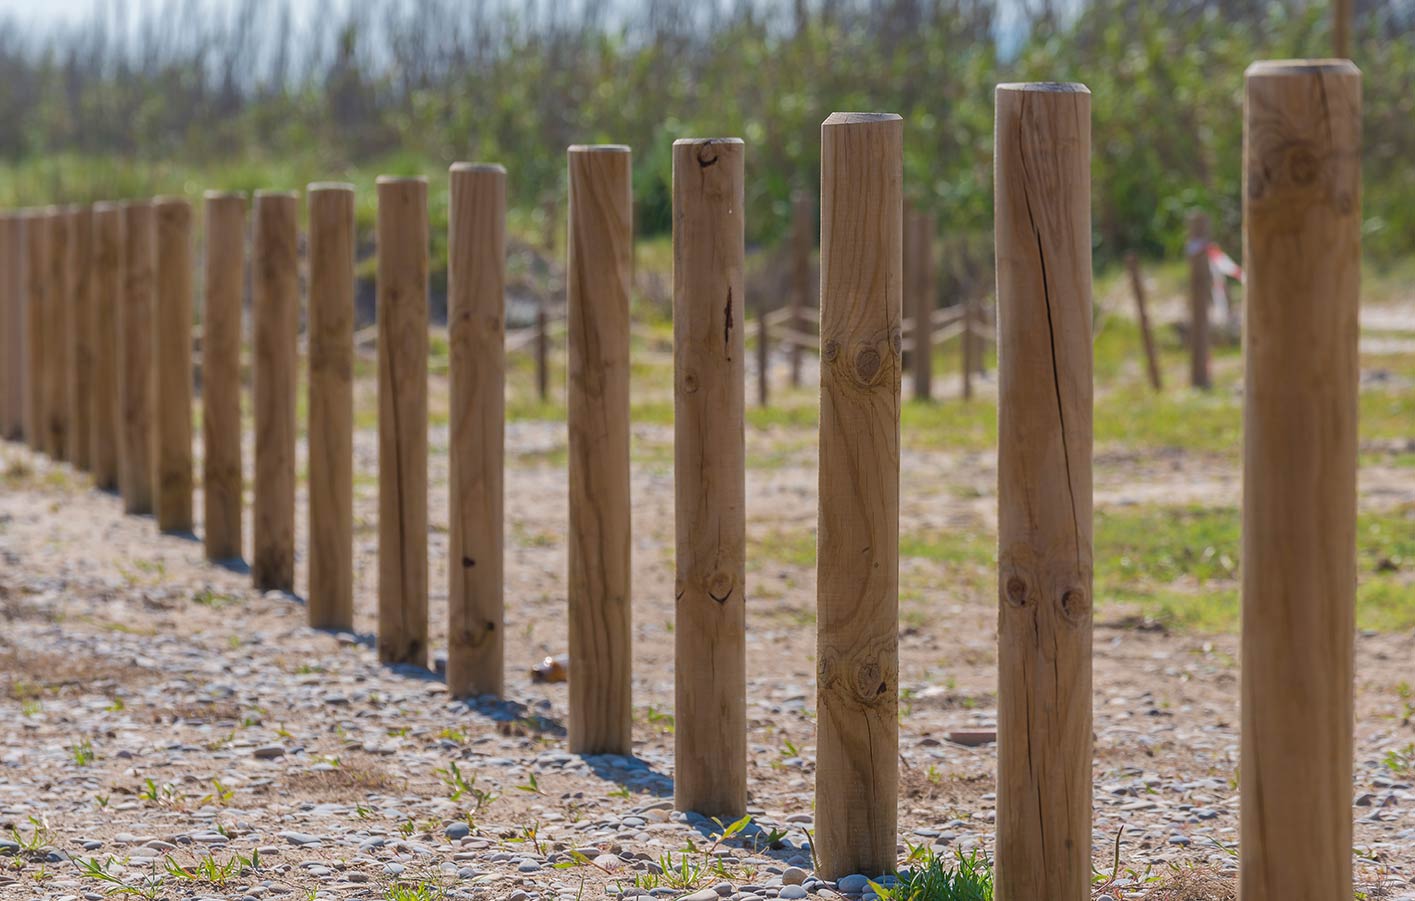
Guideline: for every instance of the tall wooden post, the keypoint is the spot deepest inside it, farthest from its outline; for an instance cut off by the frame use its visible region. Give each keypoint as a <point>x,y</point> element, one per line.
<point>222,479</point>
<point>12,325</point>
<point>857,541</point>
<point>710,459</point>
<point>966,348</point>
<point>135,374</point>
<point>763,357</point>
<point>1043,228</point>
<point>803,221</point>
<point>925,292</point>
<point>58,336</point>
<point>36,250</point>
<point>1201,288</point>
<point>330,598</point>
<point>106,306</point>
<point>402,420</point>
<point>172,362</point>
<point>275,320</point>
<point>80,373</point>
<point>542,353</point>
<point>1137,283</point>
<point>1302,256</point>
<point>476,322</point>
<point>601,259</point>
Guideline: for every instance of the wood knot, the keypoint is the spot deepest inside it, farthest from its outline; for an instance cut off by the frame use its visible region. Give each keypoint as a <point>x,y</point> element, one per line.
<point>830,349</point>
<point>867,363</point>
<point>1303,165</point>
<point>1015,592</point>
<point>1075,605</point>
<point>896,341</point>
<point>690,382</point>
<point>719,586</point>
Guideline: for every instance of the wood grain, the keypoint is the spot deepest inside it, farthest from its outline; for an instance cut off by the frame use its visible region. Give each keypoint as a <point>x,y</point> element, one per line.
<point>106,306</point>
<point>476,312</point>
<point>36,238</point>
<point>857,540</point>
<point>81,323</point>
<point>275,310</point>
<point>599,278</point>
<point>135,373</point>
<point>224,287</point>
<point>12,326</point>
<point>402,420</point>
<point>172,363</point>
<point>709,474</point>
<point>330,598</point>
<point>1302,258</point>
<point>58,336</point>
<point>1043,241</point>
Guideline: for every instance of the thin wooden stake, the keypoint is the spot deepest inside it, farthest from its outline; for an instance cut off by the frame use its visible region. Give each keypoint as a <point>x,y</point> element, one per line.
<point>106,309</point>
<point>172,359</point>
<point>81,388</point>
<point>222,479</point>
<point>1302,256</point>
<point>275,305</point>
<point>1201,288</point>
<point>402,420</point>
<point>597,400</point>
<point>966,348</point>
<point>1137,283</point>
<point>12,325</point>
<point>763,357</point>
<point>58,336</point>
<point>476,322</point>
<point>36,238</point>
<point>1341,14</point>
<point>710,627</point>
<point>803,221</point>
<point>135,373</point>
<point>925,292</point>
<point>857,555</point>
<point>542,353</point>
<point>331,406</point>
<point>1043,240</point>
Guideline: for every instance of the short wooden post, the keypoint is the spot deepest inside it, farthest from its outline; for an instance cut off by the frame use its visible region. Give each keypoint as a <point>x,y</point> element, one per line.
<point>330,599</point>
<point>172,362</point>
<point>135,372</point>
<point>1201,288</point>
<point>710,630</point>
<point>275,305</point>
<point>58,336</point>
<point>1302,223</point>
<point>1043,229</point>
<point>803,222</point>
<point>402,420</point>
<point>763,357</point>
<point>36,275</point>
<point>1137,282</point>
<point>81,324</point>
<point>857,540</point>
<point>601,258</point>
<point>542,353</point>
<point>925,289</point>
<point>222,479</point>
<point>12,325</point>
<point>106,307</point>
<point>476,322</point>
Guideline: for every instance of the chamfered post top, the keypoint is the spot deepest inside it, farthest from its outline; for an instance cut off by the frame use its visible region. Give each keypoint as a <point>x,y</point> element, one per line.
<point>860,119</point>
<point>223,195</point>
<point>1043,87</point>
<point>683,142</point>
<point>272,194</point>
<point>401,180</point>
<point>316,187</point>
<point>598,148</point>
<point>1282,68</point>
<point>488,168</point>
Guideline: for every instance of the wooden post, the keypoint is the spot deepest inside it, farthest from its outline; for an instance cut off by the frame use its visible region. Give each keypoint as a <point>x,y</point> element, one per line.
<point>601,260</point>
<point>12,325</point>
<point>106,307</point>
<point>476,322</point>
<point>135,373</point>
<point>966,347</point>
<point>330,598</point>
<point>1341,14</point>
<point>1201,288</point>
<point>763,357</point>
<point>1302,256</point>
<point>925,292</point>
<point>275,321</point>
<point>1043,228</point>
<point>402,420</point>
<point>36,237</point>
<point>172,361</point>
<point>803,221</point>
<point>857,541</point>
<point>222,478</point>
<point>710,459</point>
<point>81,323</point>
<point>58,336</point>
<point>1137,282</point>
<point>542,353</point>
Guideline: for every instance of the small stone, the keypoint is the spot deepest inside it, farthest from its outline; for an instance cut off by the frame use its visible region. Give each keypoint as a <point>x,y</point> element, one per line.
<point>792,892</point>
<point>269,752</point>
<point>457,830</point>
<point>793,876</point>
<point>300,838</point>
<point>706,894</point>
<point>853,883</point>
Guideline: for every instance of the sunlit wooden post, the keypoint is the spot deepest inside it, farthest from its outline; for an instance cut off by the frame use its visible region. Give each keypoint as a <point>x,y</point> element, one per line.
<point>81,325</point>
<point>1302,257</point>
<point>36,275</point>
<point>1137,283</point>
<point>12,325</point>
<point>275,306</point>
<point>172,363</point>
<point>803,220</point>
<point>402,420</point>
<point>600,272</point>
<point>330,598</point>
<point>106,307</point>
<point>222,478</point>
<point>857,540</point>
<point>1043,240</point>
<point>58,335</point>
<point>710,627</point>
<point>476,322</point>
<point>135,374</point>
<point>1201,288</point>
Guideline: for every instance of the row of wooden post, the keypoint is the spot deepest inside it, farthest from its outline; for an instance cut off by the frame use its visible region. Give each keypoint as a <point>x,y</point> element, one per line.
<point>1302,227</point>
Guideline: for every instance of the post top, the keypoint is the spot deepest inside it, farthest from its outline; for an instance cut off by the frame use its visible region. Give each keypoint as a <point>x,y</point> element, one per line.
<point>401,180</point>
<point>1285,67</point>
<point>223,195</point>
<point>106,206</point>
<point>271,194</point>
<point>860,118</point>
<point>1044,87</point>
<point>314,186</point>
<point>598,148</point>
<point>170,200</point>
<point>493,168</point>
<point>704,141</point>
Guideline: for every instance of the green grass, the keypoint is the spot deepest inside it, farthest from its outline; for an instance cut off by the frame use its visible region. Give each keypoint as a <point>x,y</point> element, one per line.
<point>964,877</point>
